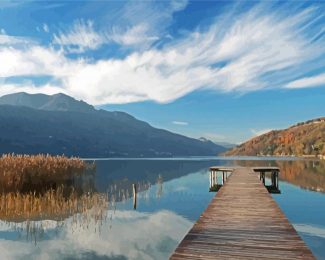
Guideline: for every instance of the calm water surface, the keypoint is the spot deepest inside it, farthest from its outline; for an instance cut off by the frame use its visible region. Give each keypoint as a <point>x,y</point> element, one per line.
<point>101,222</point>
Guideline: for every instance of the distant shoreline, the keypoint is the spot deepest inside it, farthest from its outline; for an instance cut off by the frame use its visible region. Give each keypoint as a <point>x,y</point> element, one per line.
<point>189,158</point>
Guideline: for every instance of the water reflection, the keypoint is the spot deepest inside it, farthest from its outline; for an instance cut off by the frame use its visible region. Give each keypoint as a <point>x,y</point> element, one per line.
<point>307,174</point>
<point>24,212</point>
<point>92,216</point>
<point>134,235</point>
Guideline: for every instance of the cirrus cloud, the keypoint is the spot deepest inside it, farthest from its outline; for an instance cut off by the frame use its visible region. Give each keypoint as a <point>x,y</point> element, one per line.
<point>307,82</point>
<point>259,49</point>
<point>80,37</point>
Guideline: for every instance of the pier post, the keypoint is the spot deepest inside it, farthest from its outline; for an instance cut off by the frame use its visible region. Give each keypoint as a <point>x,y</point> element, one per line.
<point>134,188</point>
<point>211,172</point>
<point>212,178</point>
<point>263,178</point>
<point>277,180</point>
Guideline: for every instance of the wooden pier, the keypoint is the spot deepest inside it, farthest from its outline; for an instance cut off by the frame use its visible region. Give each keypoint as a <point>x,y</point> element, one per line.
<point>242,222</point>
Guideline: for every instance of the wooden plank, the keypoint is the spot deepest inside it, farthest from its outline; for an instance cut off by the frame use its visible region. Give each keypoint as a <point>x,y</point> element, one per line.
<point>266,168</point>
<point>242,222</point>
<point>222,169</point>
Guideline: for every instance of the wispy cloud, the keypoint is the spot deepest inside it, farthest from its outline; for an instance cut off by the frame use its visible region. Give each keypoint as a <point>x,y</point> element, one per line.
<point>141,31</point>
<point>307,82</point>
<point>79,37</point>
<point>130,29</point>
<point>180,123</point>
<point>261,48</point>
<point>260,132</point>
<point>138,34</point>
<point>46,28</point>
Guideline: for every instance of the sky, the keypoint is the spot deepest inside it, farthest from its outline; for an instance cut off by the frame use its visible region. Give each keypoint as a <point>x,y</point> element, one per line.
<point>224,70</point>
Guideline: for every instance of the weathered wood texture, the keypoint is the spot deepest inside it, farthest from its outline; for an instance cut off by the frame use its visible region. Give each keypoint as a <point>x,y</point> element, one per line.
<point>242,222</point>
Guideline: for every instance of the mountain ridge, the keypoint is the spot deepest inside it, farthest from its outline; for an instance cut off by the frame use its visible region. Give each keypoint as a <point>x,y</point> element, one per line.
<point>55,102</point>
<point>81,130</point>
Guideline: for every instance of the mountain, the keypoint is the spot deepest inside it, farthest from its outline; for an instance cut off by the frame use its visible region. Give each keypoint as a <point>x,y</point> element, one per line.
<point>307,138</point>
<point>226,144</point>
<point>57,102</point>
<point>59,124</point>
<point>223,144</point>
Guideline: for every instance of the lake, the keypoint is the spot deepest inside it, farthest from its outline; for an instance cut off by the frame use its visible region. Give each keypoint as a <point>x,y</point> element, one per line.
<point>104,222</point>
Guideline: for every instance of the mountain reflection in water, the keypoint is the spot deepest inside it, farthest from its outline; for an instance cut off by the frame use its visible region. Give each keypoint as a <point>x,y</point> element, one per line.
<point>306,174</point>
<point>92,216</point>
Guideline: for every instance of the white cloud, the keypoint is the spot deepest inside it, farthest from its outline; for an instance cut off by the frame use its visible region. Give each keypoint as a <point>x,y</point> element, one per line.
<point>80,37</point>
<point>244,54</point>
<point>8,40</point>
<point>260,132</point>
<point>30,88</point>
<point>35,60</point>
<point>138,34</point>
<point>307,82</point>
<point>180,123</point>
<point>46,28</point>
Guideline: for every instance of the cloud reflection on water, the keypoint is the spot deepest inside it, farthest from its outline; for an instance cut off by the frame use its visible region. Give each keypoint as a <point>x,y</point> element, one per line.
<point>130,234</point>
<point>312,230</point>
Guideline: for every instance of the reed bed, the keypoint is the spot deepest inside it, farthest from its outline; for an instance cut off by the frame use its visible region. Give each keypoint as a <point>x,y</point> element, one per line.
<point>26,173</point>
<point>54,204</point>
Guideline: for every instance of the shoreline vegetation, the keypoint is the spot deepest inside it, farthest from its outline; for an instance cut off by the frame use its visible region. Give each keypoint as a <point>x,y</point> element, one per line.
<point>36,187</point>
<point>305,156</point>
<point>39,173</point>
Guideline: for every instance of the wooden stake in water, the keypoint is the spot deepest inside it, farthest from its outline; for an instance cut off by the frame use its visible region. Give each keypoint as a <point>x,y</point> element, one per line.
<point>134,187</point>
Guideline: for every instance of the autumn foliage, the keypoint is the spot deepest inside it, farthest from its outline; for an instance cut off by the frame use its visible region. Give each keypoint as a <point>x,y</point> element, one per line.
<point>303,139</point>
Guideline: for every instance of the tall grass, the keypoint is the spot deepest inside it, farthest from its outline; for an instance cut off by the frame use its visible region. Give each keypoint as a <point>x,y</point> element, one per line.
<point>26,173</point>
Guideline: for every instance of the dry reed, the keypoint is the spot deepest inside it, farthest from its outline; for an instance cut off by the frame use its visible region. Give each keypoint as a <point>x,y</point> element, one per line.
<point>29,172</point>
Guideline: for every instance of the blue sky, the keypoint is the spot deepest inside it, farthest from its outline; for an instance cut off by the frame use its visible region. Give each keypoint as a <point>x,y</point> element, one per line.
<point>225,70</point>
